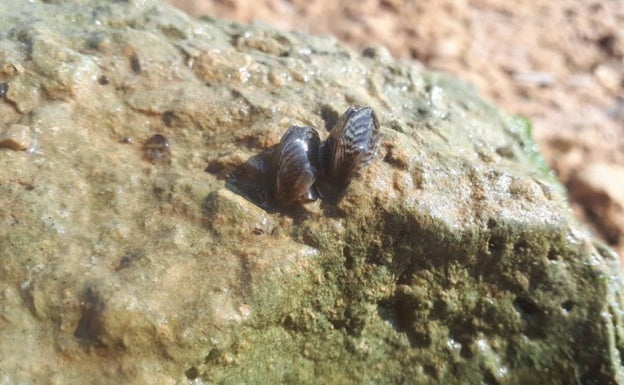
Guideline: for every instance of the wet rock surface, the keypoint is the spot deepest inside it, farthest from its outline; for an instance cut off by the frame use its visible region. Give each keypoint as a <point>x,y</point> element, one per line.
<point>452,258</point>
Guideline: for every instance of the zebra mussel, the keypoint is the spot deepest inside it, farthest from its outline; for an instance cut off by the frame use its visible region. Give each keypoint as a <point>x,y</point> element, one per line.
<point>297,166</point>
<point>306,168</point>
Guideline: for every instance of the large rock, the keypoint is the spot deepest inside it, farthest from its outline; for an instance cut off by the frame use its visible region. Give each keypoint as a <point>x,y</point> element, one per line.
<point>453,259</point>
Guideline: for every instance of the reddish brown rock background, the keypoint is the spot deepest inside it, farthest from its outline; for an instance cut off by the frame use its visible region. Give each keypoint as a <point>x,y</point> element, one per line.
<point>560,63</point>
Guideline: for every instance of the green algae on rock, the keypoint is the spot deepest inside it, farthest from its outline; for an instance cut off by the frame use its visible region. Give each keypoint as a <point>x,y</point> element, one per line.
<point>452,260</point>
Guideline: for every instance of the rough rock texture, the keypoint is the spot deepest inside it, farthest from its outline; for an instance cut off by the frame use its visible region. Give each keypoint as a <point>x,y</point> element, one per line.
<point>452,259</point>
<point>560,63</point>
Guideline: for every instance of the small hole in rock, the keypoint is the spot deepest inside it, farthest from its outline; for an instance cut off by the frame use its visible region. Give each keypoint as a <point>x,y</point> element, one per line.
<point>236,94</point>
<point>213,355</point>
<point>553,255</point>
<point>465,351</point>
<point>192,373</point>
<point>608,43</point>
<point>349,259</point>
<point>169,118</point>
<point>135,64</point>
<point>568,305</point>
<point>432,370</point>
<point>91,325</point>
<point>526,306</point>
<point>489,378</point>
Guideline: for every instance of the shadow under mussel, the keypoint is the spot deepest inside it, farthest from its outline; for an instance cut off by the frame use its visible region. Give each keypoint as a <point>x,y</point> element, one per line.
<point>255,180</point>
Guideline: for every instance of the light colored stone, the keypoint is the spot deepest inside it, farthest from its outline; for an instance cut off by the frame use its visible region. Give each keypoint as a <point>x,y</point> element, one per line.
<point>604,178</point>
<point>600,186</point>
<point>610,76</point>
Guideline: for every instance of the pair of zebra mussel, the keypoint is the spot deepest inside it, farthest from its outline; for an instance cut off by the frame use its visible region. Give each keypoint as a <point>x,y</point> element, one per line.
<point>306,168</point>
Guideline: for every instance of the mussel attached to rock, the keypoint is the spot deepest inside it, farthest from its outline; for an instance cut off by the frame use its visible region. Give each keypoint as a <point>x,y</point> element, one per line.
<point>301,168</point>
<point>297,166</point>
<point>352,144</point>
<point>306,166</point>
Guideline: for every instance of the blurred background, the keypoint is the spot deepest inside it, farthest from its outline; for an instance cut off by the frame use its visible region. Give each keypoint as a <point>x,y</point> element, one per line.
<point>558,62</point>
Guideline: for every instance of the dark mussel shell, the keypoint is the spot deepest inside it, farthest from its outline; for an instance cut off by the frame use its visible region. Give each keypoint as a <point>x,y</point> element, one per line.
<point>297,166</point>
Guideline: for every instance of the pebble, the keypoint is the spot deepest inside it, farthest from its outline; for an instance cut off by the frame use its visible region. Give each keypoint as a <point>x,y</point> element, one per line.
<point>17,137</point>
<point>604,179</point>
<point>609,76</point>
<point>600,188</point>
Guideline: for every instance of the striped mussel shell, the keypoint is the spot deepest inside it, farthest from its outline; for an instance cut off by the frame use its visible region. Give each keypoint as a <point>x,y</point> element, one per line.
<point>297,166</point>
<point>352,144</point>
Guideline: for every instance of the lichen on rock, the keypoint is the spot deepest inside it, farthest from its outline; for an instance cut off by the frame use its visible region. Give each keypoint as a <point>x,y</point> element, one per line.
<point>451,259</point>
